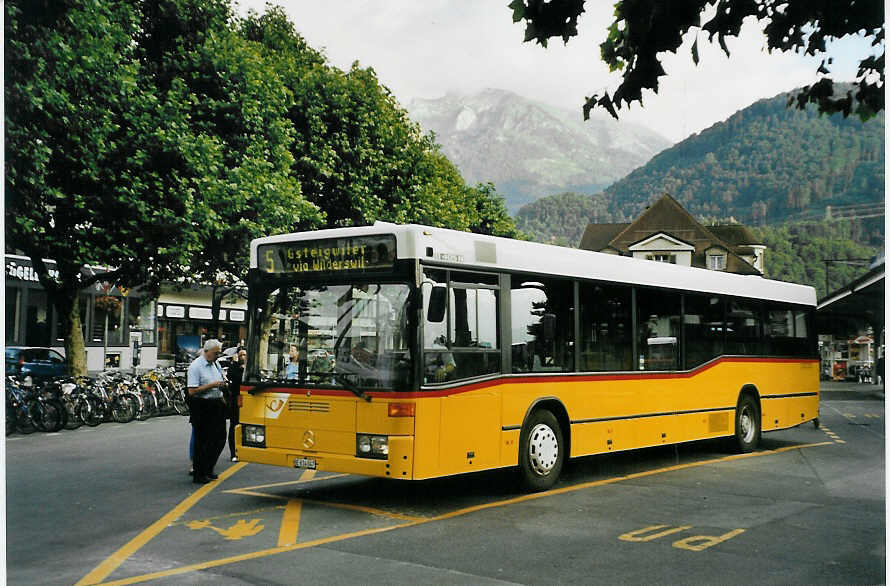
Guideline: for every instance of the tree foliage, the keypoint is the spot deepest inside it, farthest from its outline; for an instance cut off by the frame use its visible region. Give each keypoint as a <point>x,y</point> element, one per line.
<point>796,252</point>
<point>562,218</point>
<point>642,30</point>
<point>158,137</point>
<point>356,153</point>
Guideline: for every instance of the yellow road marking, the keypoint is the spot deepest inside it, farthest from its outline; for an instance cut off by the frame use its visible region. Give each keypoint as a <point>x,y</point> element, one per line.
<point>229,515</point>
<point>255,555</point>
<point>456,513</point>
<point>302,479</point>
<point>645,534</point>
<point>290,523</point>
<point>120,556</point>
<point>364,509</point>
<point>335,505</point>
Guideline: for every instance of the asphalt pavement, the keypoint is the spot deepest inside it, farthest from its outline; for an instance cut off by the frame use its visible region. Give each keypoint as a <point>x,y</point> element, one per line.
<point>114,504</point>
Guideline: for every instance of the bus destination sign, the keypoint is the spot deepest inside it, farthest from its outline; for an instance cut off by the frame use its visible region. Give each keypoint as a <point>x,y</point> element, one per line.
<point>328,256</point>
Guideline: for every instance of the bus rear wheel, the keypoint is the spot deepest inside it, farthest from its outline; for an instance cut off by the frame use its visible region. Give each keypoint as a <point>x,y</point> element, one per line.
<point>541,451</point>
<point>747,424</point>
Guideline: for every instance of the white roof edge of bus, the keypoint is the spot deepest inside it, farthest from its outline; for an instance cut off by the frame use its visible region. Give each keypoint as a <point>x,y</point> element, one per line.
<point>520,255</point>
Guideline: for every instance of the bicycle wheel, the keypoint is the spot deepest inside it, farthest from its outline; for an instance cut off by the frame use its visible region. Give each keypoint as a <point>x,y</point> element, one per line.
<point>23,422</point>
<point>10,419</point>
<point>48,415</point>
<point>72,412</point>
<point>91,411</point>
<point>148,406</point>
<point>124,408</point>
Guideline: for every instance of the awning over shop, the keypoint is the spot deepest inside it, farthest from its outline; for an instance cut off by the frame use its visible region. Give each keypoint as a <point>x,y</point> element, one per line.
<point>850,309</point>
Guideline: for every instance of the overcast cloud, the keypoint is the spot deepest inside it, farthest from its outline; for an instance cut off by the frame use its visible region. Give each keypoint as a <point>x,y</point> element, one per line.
<point>426,49</point>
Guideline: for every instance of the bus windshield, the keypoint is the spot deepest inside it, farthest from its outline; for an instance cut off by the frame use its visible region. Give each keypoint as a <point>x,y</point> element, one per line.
<point>354,335</point>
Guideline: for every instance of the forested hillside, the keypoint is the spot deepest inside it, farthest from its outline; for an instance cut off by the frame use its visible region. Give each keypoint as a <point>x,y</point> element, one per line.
<point>561,218</point>
<point>797,252</point>
<point>764,165</point>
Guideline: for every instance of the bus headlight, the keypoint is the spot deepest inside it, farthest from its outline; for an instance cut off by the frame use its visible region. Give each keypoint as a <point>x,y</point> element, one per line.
<point>253,436</point>
<point>371,446</point>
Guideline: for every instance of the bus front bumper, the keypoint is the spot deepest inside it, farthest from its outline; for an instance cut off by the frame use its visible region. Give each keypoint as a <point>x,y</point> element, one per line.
<point>398,464</point>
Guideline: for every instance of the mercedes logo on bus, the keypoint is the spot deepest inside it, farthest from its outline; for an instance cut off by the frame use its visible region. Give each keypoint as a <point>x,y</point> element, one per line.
<point>308,439</point>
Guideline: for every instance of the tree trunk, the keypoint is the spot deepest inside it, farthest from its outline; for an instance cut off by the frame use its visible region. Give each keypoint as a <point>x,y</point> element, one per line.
<point>75,349</point>
<point>68,307</point>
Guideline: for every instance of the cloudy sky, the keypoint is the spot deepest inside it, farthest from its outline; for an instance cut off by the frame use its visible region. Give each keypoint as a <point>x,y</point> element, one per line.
<point>428,48</point>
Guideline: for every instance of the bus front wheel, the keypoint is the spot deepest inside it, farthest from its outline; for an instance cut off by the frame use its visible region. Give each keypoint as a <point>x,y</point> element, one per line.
<point>747,424</point>
<point>541,451</point>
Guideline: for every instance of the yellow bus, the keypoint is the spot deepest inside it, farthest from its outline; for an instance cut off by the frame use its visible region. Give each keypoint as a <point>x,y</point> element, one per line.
<point>412,352</point>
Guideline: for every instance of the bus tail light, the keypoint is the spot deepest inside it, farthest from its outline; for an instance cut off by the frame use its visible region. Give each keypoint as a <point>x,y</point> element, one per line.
<point>240,401</point>
<point>401,409</point>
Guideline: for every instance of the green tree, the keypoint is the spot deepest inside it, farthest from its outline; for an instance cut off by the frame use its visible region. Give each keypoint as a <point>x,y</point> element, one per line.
<point>644,29</point>
<point>141,136</point>
<point>356,153</point>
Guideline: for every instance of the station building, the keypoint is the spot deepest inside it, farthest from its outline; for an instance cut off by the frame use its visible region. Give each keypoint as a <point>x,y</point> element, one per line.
<point>131,328</point>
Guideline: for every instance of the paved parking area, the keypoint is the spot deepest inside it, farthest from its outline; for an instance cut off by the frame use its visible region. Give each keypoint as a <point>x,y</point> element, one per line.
<point>806,508</point>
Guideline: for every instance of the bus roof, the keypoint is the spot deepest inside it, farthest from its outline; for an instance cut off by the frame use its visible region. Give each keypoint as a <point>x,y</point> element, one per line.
<point>457,249</point>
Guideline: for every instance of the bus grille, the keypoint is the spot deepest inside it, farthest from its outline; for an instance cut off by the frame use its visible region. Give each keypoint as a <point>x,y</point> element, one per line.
<point>308,406</point>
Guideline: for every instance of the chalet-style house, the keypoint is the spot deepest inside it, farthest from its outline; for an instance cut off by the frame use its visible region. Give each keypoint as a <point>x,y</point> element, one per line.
<point>666,232</point>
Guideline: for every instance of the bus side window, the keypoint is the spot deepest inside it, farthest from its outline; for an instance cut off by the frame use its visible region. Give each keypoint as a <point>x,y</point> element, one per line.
<point>542,324</point>
<point>658,329</point>
<point>703,328</point>
<point>744,327</point>
<point>605,337</point>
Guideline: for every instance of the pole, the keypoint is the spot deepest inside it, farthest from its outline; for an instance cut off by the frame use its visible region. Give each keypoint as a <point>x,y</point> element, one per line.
<point>105,343</point>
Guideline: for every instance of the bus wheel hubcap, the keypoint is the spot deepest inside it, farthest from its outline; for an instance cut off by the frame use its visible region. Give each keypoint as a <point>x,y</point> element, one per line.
<point>543,449</point>
<point>746,423</point>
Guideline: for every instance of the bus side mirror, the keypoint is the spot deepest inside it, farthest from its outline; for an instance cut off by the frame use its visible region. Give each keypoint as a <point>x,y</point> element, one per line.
<point>435,312</point>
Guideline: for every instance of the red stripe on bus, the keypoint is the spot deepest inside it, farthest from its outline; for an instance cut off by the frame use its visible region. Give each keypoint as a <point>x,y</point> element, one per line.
<point>529,379</point>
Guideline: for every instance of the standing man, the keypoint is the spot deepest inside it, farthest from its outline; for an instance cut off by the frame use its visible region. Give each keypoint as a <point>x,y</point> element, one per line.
<point>235,375</point>
<point>208,410</point>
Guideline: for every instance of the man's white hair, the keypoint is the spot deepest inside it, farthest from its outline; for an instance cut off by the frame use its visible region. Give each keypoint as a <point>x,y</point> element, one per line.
<point>212,344</point>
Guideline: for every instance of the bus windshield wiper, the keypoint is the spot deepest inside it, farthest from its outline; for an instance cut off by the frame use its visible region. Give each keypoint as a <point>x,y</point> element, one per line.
<point>341,378</point>
<point>261,386</point>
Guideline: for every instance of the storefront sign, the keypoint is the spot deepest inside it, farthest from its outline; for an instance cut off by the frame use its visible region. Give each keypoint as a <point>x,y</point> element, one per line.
<point>200,313</point>
<point>175,311</point>
<point>329,256</point>
<point>236,315</point>
<point>22,272</point>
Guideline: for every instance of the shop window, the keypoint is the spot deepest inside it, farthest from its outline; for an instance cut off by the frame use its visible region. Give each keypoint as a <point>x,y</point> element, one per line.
<point>37,319</point>
<point>141,318</point>
<point>13,311</point>
<point>543,324</point>
<point>658,329</point>
<point>703,328</point>
<point>605,337</point>
<point>108,316</point>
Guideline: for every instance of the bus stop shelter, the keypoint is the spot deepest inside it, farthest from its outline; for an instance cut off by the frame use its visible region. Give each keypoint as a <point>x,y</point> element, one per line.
<point>850,310</point>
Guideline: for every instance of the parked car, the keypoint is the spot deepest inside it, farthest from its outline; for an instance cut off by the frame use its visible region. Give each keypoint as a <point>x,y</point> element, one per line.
<point>35,362</point>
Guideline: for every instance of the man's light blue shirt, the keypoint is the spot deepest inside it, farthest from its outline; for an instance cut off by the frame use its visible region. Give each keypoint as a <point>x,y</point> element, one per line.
<point>202,372</point>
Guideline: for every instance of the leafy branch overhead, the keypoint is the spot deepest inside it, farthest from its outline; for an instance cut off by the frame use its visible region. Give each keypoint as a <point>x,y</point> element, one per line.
<point>644,29</point>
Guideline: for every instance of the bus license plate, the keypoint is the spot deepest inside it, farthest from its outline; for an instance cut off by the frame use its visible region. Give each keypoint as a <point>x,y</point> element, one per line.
<point>308,463</point>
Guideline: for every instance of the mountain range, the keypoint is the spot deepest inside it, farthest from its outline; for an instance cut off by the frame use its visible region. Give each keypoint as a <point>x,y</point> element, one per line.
<point>766,164</point>
<point>529,149</point>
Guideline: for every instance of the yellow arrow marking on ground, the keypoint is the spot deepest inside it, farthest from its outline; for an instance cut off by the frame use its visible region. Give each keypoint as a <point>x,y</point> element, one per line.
<point>239,530</point>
